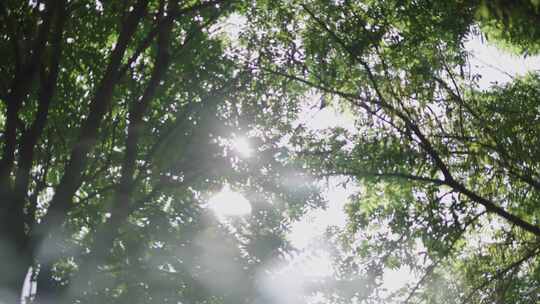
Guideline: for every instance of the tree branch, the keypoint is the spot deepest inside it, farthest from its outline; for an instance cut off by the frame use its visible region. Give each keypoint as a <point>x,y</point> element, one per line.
<point>46,93</point>
<point>425,143</point>
<point>163,22</point>
<point>72,178</point>
<point>500,273</point>
<point>20,87</point>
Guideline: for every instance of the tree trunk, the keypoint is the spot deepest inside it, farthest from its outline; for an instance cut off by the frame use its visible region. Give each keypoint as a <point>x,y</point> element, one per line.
<point>14,265</point>
<point>48,290</point>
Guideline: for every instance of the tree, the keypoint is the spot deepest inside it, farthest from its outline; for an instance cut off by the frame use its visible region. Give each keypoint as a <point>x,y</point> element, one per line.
<point>115,123</point>
<point>118,121</point>
<point>443,165</point>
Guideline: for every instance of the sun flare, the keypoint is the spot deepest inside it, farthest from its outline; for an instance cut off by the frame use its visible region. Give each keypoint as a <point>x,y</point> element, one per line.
<point>229,203</point>
<point>242,146</point>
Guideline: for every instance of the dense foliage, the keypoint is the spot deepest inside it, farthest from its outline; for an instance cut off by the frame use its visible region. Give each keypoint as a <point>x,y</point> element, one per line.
<point>119,119</point>
<point>512,25</point>
<point>449,173</point>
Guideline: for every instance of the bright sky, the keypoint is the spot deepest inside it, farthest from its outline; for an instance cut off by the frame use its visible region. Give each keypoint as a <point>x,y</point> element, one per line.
<point>496,66</point>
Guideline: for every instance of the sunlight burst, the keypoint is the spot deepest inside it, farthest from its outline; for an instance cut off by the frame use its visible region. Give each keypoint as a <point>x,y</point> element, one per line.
<point>241,145</point>
<point>229,203</point>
